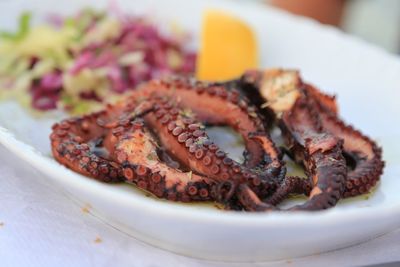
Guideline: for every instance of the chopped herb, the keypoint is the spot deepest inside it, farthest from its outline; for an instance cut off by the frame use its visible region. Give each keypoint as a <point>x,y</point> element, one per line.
<point>200,140</point>
<point>152,156</point>
<point>188,113</point>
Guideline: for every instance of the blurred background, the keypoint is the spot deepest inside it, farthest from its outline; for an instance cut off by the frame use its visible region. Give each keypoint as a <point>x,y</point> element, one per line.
<point>376,21</point>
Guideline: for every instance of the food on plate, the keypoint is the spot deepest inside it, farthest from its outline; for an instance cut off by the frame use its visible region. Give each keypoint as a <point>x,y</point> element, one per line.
<point>78,62</point>
<point>155,138</point>
<point>228,47</point>
<point>314,134</point>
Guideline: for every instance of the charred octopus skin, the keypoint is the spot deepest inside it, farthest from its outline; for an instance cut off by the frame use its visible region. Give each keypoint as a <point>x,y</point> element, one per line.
<point>351,163</point>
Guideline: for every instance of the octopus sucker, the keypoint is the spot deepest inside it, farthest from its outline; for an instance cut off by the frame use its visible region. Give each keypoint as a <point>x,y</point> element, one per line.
<point>156,139</point>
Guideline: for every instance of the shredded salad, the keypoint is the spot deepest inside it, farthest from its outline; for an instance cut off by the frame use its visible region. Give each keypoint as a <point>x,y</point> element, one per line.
<point>77,62</point>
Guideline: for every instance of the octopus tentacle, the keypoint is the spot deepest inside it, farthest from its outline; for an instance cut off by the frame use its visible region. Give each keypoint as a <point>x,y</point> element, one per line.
<point>367,156</point>
<point>319,152</point>
<point>272,161</point>
<point>72,144</point>
<point>292,185</point>
<point>215,105</point>
<point>186,139</point>
<point>250,201</point>
<point>135,150</point>
<point>327,102</point>
<point>327,169</point>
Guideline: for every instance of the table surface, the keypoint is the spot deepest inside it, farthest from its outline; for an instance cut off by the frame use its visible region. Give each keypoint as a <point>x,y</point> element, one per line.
<point>41,226</point>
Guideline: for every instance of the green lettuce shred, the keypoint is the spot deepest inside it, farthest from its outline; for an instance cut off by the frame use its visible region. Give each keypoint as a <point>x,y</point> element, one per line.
<point>23,28</point>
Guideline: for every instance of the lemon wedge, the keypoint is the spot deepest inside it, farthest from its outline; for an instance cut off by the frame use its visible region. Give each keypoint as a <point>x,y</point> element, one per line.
<point>228,47</point>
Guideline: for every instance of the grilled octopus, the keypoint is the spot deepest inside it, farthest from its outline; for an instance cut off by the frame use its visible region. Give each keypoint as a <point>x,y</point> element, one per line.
<point>156,138</point>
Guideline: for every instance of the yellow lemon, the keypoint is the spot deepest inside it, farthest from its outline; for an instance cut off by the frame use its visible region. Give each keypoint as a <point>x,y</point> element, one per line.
<point>228,47</point>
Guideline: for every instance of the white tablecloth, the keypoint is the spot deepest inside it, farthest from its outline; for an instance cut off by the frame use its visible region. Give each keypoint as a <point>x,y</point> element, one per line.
<point>41,226</point>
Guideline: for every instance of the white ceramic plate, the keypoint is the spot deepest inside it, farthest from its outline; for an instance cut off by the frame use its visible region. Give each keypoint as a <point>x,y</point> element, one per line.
<point>367,82</point>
